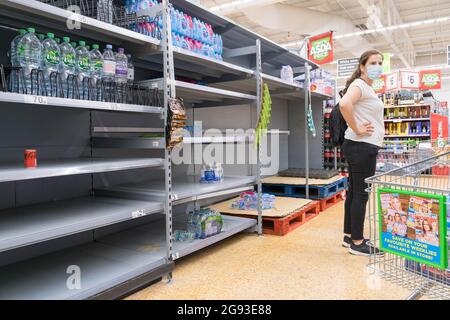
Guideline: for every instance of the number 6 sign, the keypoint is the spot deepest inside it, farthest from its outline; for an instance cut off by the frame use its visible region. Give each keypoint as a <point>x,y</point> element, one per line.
<point>410,80</point>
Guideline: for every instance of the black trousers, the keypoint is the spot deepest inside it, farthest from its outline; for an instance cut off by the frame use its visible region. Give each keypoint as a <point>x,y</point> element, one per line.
<point>362,161</point>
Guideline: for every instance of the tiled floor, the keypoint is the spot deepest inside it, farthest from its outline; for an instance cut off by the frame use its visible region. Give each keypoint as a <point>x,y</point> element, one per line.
<point>308,263</point>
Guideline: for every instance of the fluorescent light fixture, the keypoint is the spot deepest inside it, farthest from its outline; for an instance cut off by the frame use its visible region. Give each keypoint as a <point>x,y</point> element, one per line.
<point>381,29</point>
<point>231,4</point>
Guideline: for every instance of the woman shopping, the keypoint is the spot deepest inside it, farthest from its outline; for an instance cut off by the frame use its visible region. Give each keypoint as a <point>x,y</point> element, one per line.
<point>363,112</point>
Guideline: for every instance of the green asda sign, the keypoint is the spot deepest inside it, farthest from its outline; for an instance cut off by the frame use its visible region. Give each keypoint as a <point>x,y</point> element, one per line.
<point>320,48</point>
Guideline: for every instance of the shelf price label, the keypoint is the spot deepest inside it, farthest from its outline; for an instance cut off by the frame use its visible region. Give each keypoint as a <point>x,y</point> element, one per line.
<point>410,80</point>
<point>138,213</point>
<point>35,99</point>
<point>392,81</point>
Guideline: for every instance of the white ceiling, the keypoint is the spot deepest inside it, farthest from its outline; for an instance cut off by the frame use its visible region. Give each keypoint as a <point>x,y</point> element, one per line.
<point>416,46</point>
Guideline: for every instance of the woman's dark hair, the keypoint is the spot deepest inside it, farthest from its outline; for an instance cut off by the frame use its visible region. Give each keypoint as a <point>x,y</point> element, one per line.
<point>362,62</point>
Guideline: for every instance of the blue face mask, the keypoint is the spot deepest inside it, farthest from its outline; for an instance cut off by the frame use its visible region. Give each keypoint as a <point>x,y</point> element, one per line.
<point>374,71</point>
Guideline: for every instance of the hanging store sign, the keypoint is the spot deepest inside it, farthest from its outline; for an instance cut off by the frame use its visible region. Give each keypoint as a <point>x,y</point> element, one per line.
<point>414,226</point>
<point>346,67</point>
<point>379,85</point>
<point>439,129</point>
<point>410,80</point>
<point>430,79</point>
<point>320,48</point>
<point>392,81</point>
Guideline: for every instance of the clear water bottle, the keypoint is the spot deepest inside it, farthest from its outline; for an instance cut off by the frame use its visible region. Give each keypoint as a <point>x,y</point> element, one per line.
<point>130,74</point>
<point>105,10</point>
<point>121,74</point>
<point>13,51</point>
<point>51,56</point>
<point>83,69</point>
<point>30,58</point>
<point>41,37</point>
<point>58,40</point>
<point>109,72</point>
<point>96,59</point>
<point>67,67</point>
<point>73,44</point>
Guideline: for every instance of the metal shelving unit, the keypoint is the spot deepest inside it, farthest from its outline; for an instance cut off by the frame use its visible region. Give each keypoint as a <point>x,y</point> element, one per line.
<point>123,262</point>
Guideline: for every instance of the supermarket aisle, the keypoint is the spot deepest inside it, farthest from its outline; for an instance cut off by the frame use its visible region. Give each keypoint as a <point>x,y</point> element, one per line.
<point>308,263</point>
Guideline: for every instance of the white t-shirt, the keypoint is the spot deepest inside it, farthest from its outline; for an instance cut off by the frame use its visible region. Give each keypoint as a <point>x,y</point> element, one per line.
<point>369,108</point>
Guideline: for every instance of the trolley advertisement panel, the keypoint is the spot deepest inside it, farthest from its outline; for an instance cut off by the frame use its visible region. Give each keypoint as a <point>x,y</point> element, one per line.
<point>414,225</point>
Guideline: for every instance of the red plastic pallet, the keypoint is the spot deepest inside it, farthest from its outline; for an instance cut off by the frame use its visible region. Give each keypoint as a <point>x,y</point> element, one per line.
<point>282,226</point>
<point>331,201</point>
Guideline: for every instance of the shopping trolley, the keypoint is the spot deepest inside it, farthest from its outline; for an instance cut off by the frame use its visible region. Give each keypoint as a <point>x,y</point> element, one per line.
<point>427,176</point>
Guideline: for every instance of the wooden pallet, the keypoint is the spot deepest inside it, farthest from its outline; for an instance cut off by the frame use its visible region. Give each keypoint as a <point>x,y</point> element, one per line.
<point>282,226</point>
<point>299,191</point>
<point>331,201</point>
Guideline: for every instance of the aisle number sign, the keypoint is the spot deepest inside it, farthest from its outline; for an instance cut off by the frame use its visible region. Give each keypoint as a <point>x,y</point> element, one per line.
<point>392,81</point>
<point>379,85</point>
<point>414,226</point>
<point>320,48</point>
<point>430,79</point>
<point>410,80</point>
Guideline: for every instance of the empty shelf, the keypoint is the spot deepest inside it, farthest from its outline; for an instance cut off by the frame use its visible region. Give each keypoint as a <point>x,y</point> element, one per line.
<point>58,168</point>
<point>101,268</point>
<point>185,189</point>
<point>37,223</point>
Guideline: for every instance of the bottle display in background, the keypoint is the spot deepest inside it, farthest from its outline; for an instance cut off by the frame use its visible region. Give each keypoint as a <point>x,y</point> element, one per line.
<point>67,67</point>
<point>30,58</point>
<point>121,76</point>
<point>83,67</point>
<point>51,56</point>
<point>96,59</point>
<point>109,72</point>
<point>13,49</point>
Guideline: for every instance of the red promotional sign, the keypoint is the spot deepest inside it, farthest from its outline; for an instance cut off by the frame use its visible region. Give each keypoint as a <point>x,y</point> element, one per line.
<point>379,85</point>
<point>439,136</point>
<point>320,48</point>
<point>430,79</point>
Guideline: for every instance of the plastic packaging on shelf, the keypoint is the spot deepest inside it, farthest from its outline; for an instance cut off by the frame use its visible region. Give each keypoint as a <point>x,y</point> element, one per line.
<point>204,223</point>
<point>212,173</point>
<point>30,58</point>
<point>287,74</point>
<point>249,201</point>
<point>183,236</point>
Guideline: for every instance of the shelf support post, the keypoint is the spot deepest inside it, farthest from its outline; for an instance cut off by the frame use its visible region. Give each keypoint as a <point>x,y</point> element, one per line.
<point>259,84</point>
<point>169,92</point>
<point>307,104</point>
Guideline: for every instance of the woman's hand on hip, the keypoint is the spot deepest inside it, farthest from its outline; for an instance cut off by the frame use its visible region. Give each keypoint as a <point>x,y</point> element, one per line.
<point>366,129</point>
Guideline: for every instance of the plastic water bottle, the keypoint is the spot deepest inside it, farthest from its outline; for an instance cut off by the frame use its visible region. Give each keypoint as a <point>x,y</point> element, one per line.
<point>96,59</point>
<point>13,51</point>
<point>130,74</point>
<point>104,10</point>
<point>109,72</point>
<point>83,62</point>
<point>30,57</point>
<point>68,65</point>
<point>121,74</point>
<point>51,56</point>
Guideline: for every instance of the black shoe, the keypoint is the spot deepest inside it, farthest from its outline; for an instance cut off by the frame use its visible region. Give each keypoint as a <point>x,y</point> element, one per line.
<point>364,249</point>
<point>346,243</point>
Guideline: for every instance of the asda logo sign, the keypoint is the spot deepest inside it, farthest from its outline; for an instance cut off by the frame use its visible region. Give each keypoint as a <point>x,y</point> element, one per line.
<point>430,79</point>
<point>320,48</point>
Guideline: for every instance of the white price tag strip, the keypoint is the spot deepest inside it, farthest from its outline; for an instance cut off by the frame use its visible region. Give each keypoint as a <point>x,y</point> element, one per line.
<point>35,99</point>
<point>138,213</point>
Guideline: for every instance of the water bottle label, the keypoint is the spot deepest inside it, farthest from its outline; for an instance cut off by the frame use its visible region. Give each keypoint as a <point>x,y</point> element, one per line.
<point>69,59</point>
<point>109,68</point>
<point>98,65</point>
<point>130,74</point>
<point>121,71</point>
<point>52,57</point>
<point>84,63</point>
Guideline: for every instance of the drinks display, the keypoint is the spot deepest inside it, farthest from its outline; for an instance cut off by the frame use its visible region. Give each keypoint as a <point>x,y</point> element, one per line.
<point>212,173</point>
<point>61,70</point>
<point>105,10</point>
<point>29,53</point>
<point>51,55</point>
<point>204,223</point>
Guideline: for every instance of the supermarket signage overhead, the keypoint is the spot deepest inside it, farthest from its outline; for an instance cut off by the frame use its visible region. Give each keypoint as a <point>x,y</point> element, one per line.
<point>414,226</point>
<point>379,85</point>
<point>346,67</point>
<point>430,79</point>
<point>392,81</point>
<point>410,80</point>
<point>320,48</point>
<point>439,129</point>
